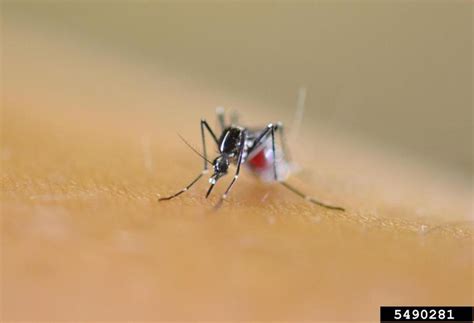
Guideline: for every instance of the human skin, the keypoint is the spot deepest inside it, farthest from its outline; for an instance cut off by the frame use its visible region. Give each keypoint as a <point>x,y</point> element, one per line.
<point>84,161</point>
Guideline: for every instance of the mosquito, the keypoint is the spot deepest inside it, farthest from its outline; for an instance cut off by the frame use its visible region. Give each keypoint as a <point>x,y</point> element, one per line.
<point>254,148</point>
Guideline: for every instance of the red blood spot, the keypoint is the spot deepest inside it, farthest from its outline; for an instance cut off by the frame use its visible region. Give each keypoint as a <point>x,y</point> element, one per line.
<point>259,161</point>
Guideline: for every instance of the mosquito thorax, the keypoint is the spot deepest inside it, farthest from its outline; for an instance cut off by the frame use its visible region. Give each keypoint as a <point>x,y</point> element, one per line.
<point>230,141</point>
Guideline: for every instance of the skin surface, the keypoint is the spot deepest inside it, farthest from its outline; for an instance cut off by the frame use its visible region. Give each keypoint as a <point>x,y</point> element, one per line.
<point>83,236</point>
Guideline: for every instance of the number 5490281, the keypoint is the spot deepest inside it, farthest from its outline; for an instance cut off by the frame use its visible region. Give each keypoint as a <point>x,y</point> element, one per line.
<point>415,314</point>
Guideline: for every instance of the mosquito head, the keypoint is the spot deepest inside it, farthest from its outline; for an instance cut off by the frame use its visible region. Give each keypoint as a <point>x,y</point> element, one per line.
<point>221,165</point>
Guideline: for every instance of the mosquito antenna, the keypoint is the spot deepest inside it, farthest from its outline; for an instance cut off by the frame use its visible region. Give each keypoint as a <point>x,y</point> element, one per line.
<point>193,149</point>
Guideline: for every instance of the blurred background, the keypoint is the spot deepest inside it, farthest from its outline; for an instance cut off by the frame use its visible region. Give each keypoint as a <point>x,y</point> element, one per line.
<point>399,75</point>
<point>94,92</point>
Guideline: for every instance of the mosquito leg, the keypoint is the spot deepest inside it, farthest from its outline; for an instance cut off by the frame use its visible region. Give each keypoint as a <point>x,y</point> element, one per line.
<point>311,199</point>
<point>284,146</point>
<point>236,176</point>
<point>184,189</point>
<point>210,188</point>
<point>220,112</point>
<point>298,119</point>
<point>234,117</point>
<point>203,138</point>
<point>205,170</point>
<point>274,154</point>
<point>204,124</point>
<point>263,135</point>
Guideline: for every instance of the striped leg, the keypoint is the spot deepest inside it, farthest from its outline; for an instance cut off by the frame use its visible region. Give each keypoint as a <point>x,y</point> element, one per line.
<point>204,125</point>
<point>311,199</point>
